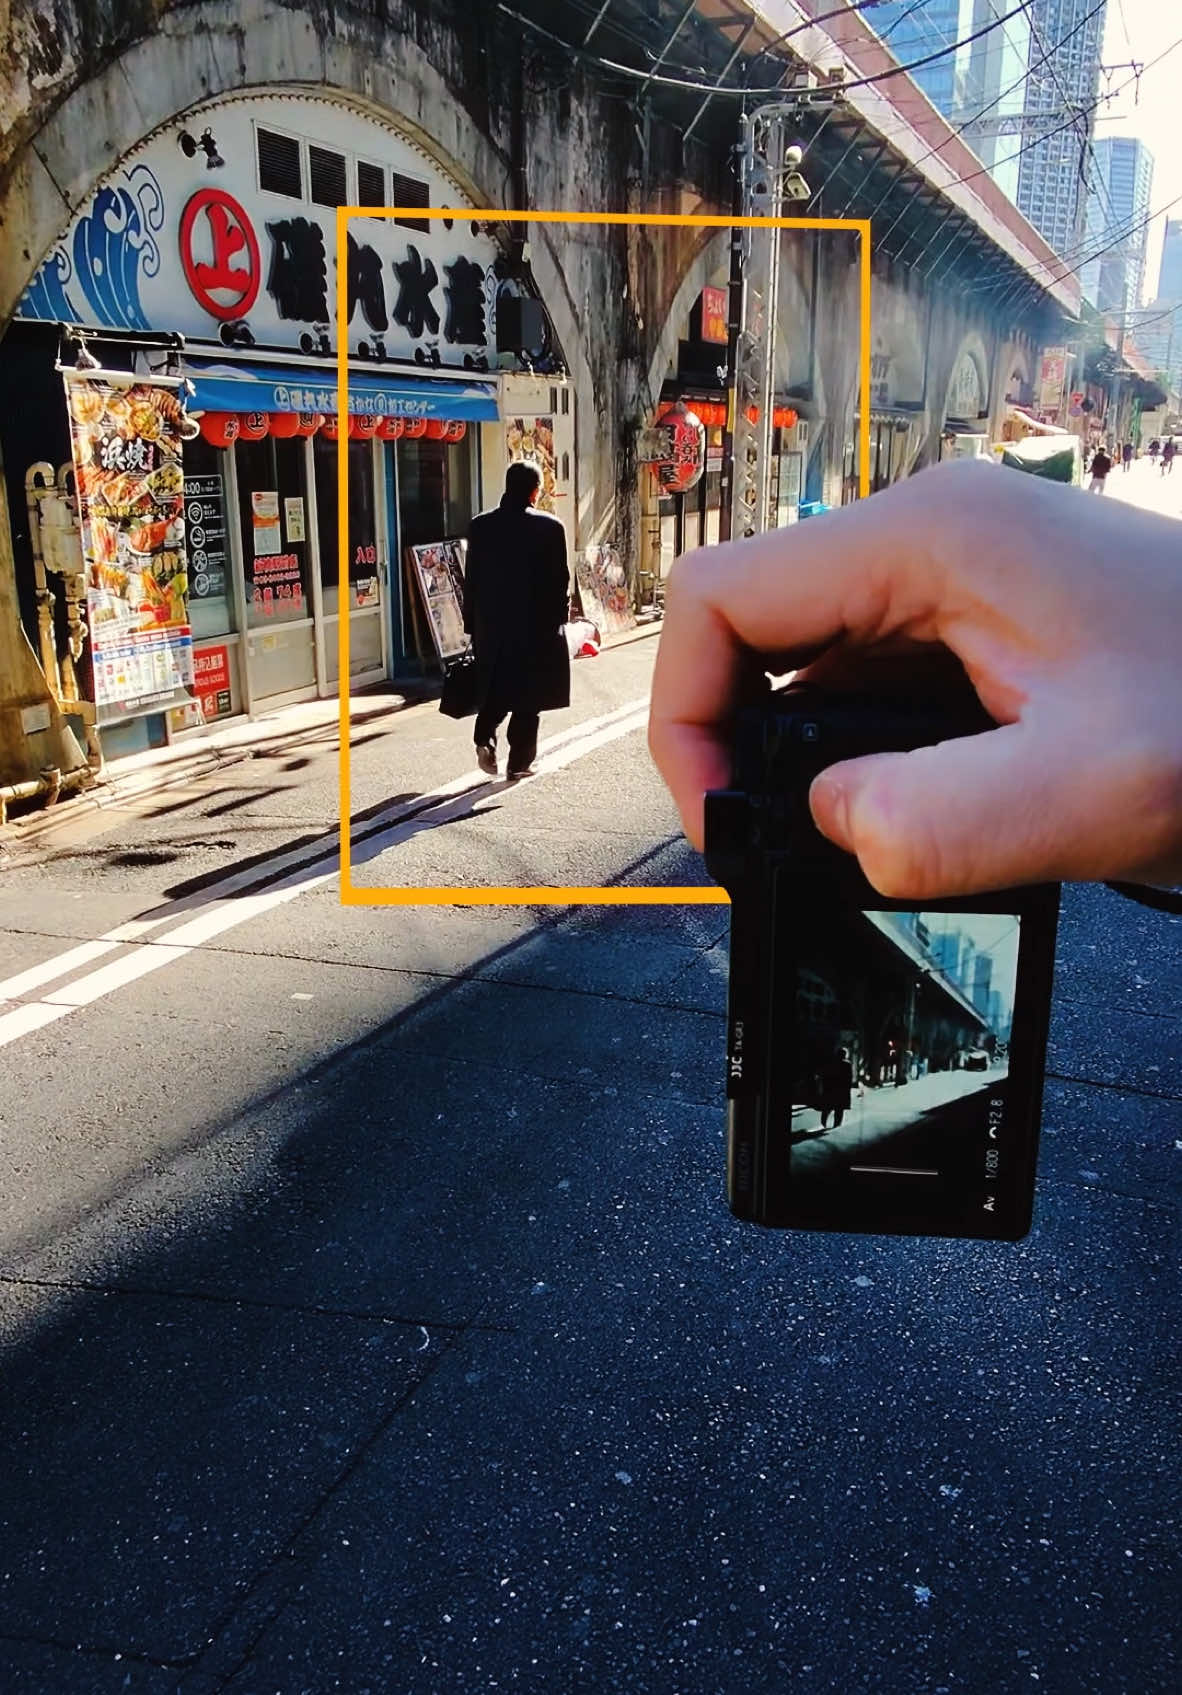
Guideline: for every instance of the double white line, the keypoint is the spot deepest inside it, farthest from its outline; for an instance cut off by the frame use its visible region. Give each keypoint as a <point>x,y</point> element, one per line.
<point>226,904</point>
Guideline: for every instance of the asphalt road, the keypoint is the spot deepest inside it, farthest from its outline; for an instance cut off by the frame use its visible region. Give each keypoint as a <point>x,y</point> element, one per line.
<point>373,1321</point>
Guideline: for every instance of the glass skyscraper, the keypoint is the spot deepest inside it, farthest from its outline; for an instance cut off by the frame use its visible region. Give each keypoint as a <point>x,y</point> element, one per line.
<point>1117,227</point>
<point>1064,73</point>
<point>980,83</point>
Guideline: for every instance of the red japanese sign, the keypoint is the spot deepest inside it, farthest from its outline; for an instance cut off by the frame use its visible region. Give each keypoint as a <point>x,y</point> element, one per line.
<point>686,459</point>
<point>215,237</point>
<point>211,681</point>
<point>714,315</point>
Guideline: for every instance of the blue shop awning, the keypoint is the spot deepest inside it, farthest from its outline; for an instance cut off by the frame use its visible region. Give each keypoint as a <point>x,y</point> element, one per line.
<point>276,388</point>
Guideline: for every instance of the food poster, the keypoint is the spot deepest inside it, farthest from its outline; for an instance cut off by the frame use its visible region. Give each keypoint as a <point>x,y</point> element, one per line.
<point>533,439</point>
<point>439,572</point>
<point>127,463</point>
<point>603,589</point>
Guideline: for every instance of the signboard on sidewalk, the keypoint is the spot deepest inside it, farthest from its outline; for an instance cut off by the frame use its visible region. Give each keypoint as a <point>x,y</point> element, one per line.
<point>438,569</point>
<point>126,439</point>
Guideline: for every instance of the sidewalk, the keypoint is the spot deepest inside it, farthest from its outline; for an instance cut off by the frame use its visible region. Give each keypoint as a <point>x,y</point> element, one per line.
<point>198,753</point>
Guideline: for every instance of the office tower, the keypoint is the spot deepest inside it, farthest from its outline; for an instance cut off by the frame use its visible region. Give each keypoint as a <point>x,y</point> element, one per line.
<point>1117,226</point>
<point>982,982</point>
<point>981,87</point>
<point>1064,74</point>
<point>1169,277</point>
<point>913,32</point>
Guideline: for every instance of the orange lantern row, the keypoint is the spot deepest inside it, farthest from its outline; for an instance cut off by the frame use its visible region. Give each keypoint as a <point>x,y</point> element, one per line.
<point>712,413</point>
<point>222,429</point>
<point>783,417</point>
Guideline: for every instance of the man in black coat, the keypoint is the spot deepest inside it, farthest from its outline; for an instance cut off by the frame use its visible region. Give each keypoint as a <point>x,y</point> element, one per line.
<point>516,599</point>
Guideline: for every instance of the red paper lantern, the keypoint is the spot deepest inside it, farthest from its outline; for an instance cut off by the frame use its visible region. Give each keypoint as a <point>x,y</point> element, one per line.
<point>284,425</point>
<point>455,430</point>
<point>310,422</point>
<point>414,428</point>
<point>330,428</point>
<point>390,429</point>
<point>687,459</point>
<point>220,429</point>
<point>253,426</point>
<point>436,429</point>
<point>791,417</point>
<point>363,426</point>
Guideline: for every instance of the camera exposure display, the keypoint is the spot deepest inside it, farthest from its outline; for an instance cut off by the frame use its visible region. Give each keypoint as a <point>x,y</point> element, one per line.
<point>899,1046</point>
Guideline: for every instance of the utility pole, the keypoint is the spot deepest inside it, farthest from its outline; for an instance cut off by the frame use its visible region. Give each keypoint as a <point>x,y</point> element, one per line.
<point>768,175</point>
<point>754,293</point>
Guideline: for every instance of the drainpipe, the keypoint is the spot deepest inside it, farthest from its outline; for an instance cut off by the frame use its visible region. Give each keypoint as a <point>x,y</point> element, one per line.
<point>51,783</point>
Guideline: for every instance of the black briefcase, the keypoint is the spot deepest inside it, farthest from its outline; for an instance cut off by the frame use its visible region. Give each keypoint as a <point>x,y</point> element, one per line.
<point>460,697</point>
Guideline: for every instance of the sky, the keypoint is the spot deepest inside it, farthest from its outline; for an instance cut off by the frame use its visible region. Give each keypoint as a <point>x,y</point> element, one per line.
<point>1140,30</point>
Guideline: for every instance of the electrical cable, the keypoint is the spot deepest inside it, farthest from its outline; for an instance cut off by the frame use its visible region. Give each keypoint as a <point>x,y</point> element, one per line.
<point>1097,253</point>
<point>845,86</point>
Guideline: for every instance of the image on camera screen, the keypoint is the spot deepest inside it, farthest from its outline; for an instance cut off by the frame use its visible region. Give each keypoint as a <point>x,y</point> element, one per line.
<point>901,1050</point>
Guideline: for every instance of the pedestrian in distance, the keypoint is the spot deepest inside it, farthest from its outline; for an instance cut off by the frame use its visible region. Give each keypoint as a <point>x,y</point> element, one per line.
<point>516,600</point>
<point>1154,449</point>
<point>1012,578</point>
<point>1101,465</point>
<point>1127,453</point>
<point>1168,454</point>
<point>837,1081</point>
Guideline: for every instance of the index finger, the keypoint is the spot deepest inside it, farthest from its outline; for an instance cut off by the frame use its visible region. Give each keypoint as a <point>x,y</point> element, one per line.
<point>858,575</point>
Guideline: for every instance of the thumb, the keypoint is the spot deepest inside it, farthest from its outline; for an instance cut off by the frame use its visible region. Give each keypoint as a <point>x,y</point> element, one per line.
<point>972,814</point>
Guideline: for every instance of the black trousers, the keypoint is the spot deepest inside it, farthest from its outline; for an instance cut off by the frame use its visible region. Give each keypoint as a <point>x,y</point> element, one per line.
<point>523,726</point>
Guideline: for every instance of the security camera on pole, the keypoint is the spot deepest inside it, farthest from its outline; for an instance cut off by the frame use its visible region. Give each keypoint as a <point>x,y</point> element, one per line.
<point>769,174</point>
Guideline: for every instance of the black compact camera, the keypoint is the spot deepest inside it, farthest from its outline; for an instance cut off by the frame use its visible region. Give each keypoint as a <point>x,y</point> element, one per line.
<point>884,1062</point>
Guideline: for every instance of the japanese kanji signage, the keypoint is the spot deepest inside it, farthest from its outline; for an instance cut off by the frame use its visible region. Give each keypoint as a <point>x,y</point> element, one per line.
<point>714,315</point>
<point>127,470</point>
<point>161,247</point>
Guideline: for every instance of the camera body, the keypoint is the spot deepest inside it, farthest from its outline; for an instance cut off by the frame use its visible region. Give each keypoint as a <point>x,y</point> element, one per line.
<point>884,1062</point>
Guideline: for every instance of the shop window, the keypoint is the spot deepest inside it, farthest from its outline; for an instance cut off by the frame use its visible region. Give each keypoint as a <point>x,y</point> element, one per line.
<point>434,490</point>
<point>207,539</point>
<point>364,578</point>
<point>279,163</point>
<point>327,177</point>
<point>408,192</point>
<point>371,185</point>
<point>274,531</point>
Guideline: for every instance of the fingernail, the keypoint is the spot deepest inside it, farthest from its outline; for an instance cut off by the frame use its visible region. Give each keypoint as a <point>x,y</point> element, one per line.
<point>830,803</point>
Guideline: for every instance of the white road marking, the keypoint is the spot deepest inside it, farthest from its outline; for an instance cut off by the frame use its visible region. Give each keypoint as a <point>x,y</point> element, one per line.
<point>222,907</point>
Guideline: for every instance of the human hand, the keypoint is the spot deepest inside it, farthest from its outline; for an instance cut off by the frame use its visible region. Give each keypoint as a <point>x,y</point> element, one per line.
<point>1067,620</point>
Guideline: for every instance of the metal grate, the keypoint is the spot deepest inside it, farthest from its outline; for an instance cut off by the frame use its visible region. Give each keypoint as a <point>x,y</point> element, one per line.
<point>279,163</point>
<point>371,185</point>
<point>408,192</point>
<point>328,177</point>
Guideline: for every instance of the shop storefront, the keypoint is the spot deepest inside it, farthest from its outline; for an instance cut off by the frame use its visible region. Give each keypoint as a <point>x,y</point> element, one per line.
<point>209,255</point>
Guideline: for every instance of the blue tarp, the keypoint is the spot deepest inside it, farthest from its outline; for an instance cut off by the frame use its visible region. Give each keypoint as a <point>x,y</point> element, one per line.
<point>276,388</point>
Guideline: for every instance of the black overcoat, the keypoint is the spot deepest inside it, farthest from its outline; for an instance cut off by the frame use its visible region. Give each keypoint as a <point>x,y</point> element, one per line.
<point>516,600</point>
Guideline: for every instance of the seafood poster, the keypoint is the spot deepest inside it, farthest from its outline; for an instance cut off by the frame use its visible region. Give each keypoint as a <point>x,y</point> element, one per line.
<point>127,467</point>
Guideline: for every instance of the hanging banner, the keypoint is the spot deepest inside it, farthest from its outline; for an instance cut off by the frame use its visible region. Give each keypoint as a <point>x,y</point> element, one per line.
<point>1052,378</point>
<point>127,464</point>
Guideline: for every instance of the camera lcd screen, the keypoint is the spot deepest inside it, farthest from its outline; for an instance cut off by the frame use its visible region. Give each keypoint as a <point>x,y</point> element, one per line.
<point>900,1054</point>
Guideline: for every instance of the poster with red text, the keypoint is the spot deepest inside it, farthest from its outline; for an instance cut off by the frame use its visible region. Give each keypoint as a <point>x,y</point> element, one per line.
<point>127,466</point>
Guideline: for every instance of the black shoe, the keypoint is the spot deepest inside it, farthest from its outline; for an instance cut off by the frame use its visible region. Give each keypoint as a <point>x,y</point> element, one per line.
<point>486,758</point>
<point>512,776</point>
